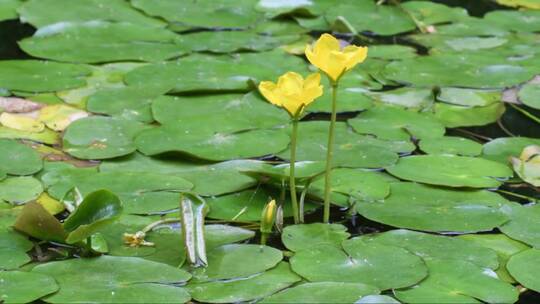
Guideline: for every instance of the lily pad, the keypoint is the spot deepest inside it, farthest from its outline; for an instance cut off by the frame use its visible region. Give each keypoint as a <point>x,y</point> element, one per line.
<point>429,247</point>
<point>246,205</point>
<point>453,116</point>
<point>355,183</point>
<point>305,236</point>
<point>100,41</point>
<point>18,159</point>
<point>455,281</point>
<point>237,260</point>
<point>519,227</point>
<point>469,97</point>
<point>205,144</point>
<point>245,289</point>
<point>523,267</point>
<point>205,14</point>
<point>134,280</point>
<point>98,209</point>
<point>453,171</point>
<point>459,70</point>
<point>19,190</point>
<point>234,41</point>
<point>405,97</point>
<point>382,266</point>
<point>207,178</point>
<point>8,9</point>
<point>367,16</point>
<point>13,248</point>
<point>212,73</point>
<point>25,287</point>
<point>322,292</point>
<point>530,95</point>
<point>127,102</point>
<point>504,246</point>
<point>223,113</point>
<point>41,76</point>
<point>377,299</point>
<point>351,149</point>
<point>397,124</point>
<point>426,208</point>
<point>101,137</point>
<point>500,149</point>
<point>40,13</point>
<point>451,145</point>
<point>47,136</point>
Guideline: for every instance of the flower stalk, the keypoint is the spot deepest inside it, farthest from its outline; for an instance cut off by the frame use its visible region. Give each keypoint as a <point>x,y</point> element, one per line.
<point>330,154</point>
<point>292,182</point>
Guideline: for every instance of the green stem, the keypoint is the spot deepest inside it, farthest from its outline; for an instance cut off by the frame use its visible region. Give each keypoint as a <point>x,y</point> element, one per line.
<point>524,112</point>
<point>264,238</point>
<point>153,225</point>
<point>329,154</point>
<point>292,184</point>
<point>518,195</point>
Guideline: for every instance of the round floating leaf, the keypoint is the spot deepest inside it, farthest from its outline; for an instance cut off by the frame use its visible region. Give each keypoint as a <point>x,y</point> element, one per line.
<point>18,159</point>
<point>24,287</point>
<point>367,16</point>
<point>524,267</point>
<point>133,280</point>
<point>208,179</point>
<point>40,13</point>
<point>127,102</point>
<point>41,76</point>
<point>422,207</point>
<point>397,124</point>
<point>245,289</point>
<point>377,299</point>
<point>453,171</point>
<point>220,113</point>
<point>530,95</point>
<point>100,41</point>
<point>13,248</point>
<point>354,183</point>
<point>459,70</point>
<point>522,225</point>
<point>383,266</point>
<point>215,73</point>
<point>237,260</point>
<point>101,137</point>
<point>98,209</point>
<point>429,247</point>
<point>8,9</point>
<point>405,97</point>
<point>453,116</point>
<point>503,245</point>
<point>391,51</point>
<point>514,20</point>
<point>246,205</point>
<point>502,148</point>
<point>450,145</point>
<point>205,144</point>
<point>19,190</point>
<point>322,292</point>
<point>234,41</point>
<point>35,221</point>
<point>47,136</point>
<point>205,13</point>
<point>469,97</point>
<point>305,236</point>
<point>455,281</point>
<point>351,149</point>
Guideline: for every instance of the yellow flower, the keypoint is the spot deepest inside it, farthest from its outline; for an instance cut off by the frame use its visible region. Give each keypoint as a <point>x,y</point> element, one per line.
<point>136,240</point>
<point>292,91</point>
<point>268,217</point>
<point>329,57</point>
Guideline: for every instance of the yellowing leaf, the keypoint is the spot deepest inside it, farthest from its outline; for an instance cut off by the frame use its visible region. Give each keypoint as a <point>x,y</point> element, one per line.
<point>59,116</point>
<point>527,166</point>
<point>50,204</point>
<point>20,122</point>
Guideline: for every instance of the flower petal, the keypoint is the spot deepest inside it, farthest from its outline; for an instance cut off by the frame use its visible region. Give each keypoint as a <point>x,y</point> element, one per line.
<point>355,55</point>
<point>268,90</point>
